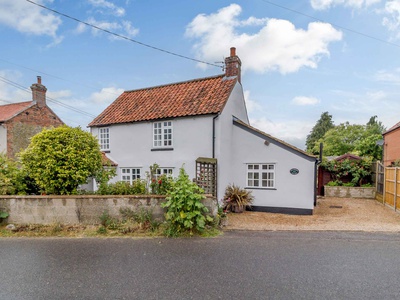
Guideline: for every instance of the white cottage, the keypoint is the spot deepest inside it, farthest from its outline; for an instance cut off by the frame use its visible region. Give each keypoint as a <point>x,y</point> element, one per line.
<point>203,125</point>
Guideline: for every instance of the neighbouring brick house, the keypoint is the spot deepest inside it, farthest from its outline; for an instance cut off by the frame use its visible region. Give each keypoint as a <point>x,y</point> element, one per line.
<point>20,121</point>
<point>391,147</point>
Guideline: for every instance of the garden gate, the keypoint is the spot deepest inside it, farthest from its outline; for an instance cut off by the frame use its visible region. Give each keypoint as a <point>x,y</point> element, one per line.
<point>206,175</point>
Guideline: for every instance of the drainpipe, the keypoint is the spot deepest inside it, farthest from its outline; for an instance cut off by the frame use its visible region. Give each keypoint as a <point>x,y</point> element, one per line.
<point>213,135</point>
<point>317,162</point>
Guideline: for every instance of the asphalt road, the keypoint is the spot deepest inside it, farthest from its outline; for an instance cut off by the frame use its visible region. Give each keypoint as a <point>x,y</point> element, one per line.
<point>237,265</point>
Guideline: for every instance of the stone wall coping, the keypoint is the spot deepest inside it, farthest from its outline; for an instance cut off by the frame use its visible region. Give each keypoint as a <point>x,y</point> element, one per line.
<point>146,196</point>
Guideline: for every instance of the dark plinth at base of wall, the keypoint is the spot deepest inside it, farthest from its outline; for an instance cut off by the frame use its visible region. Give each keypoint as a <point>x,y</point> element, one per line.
<point>282,210</point>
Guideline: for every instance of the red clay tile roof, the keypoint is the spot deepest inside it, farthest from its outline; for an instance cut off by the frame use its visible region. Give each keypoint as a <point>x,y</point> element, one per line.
<point>10,110</point>
<point>106,161</point>
<point>195,97</point>
<point>392,128</point>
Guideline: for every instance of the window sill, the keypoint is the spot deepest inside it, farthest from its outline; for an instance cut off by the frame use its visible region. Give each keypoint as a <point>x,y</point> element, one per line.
<point>105,151</point>
<point>162,149</point>
<point>260,188</point>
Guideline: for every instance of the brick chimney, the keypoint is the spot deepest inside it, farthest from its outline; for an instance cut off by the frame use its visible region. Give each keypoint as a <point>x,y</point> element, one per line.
<point>39,92</point>
<point>233,65</point>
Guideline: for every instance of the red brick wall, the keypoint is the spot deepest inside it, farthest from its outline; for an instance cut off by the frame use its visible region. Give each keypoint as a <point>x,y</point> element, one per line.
<point>25,125</point>
<point>391,148</point>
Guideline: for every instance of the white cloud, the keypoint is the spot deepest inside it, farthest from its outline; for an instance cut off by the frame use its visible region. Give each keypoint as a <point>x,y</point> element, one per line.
<point>28,18</point>
<point>106,95</point>
<point>290,131</point>
<point>388,76</point>
<point>251,105</point>
<point>392,18</point>
<point>125,27</point>
<point>355,4</point>
<point>277,46</point>
<point>109,6</point>
<point>303,100</point>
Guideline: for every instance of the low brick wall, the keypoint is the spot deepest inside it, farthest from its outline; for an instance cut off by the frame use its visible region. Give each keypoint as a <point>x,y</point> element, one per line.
<point>349,192</point>
<point>82,209</point>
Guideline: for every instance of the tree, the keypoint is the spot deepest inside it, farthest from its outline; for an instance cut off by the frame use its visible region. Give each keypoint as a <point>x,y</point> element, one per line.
<point>318,131</point>
<point>352,138</point>
<point>61,159</point>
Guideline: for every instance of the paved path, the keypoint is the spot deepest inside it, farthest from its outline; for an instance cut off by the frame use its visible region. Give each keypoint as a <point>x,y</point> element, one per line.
<point>237,265</point>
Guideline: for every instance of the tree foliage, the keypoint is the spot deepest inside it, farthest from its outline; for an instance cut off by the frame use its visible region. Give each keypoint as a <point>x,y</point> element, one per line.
<point>61,159</point>
<point>353,138</point>
<point>318,131</point>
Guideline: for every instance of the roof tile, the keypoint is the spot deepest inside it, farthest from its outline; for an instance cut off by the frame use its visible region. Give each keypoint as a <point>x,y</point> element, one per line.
<point>10,110</point>
<point>195,97</point>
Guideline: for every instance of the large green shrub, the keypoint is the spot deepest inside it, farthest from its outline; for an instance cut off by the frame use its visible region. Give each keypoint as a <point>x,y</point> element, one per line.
<point>61,159</point>
<point>185,212</point>
<point>12,180</point>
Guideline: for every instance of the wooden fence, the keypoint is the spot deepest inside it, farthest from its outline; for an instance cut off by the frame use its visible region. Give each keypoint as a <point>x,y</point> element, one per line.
<point>391,196</point>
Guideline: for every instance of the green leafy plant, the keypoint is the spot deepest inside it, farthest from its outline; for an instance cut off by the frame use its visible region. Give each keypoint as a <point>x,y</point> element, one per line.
<point>334,183</point>
<point>61,159</point>
<point>358,170</point>
<point>237,199</point>
<point>108,222</point>
<point>138,187</point>
<point>3,214</point>
<point>184,210</point>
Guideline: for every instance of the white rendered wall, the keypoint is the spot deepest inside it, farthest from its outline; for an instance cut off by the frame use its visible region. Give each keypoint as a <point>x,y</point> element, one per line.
<point>235,106</point>
<point>131,145</point>
<point>291,191</point>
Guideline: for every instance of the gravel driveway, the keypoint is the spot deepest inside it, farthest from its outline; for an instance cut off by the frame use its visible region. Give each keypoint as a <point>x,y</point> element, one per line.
<point>344,214</point>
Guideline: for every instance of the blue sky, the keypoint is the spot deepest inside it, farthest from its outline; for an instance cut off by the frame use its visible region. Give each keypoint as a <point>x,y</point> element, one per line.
<point>298,61</point>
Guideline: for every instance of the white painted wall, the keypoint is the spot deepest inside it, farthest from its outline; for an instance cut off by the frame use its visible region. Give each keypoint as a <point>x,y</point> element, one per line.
<point>3,139</point>
<point>291,191</point>
<point>131,145</point>
<point>235,106</point>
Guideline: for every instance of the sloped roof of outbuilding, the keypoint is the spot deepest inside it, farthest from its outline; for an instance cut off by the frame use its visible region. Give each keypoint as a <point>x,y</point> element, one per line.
<point>392,128</point>
<point>189,98</point>
<point>274,140</point>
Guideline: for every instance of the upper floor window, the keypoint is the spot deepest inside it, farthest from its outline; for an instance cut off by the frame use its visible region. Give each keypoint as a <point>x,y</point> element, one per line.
<point>261,175</point>
<point>162,134</point>
<point>130,174</point>
<point>104,138</point>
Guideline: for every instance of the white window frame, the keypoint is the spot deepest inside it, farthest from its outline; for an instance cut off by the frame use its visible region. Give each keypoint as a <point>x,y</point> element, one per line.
<point>162,134</point>
<point>164,171</point>
<point>104,138</point>
<point>261,175</point>
<point>130,174</point>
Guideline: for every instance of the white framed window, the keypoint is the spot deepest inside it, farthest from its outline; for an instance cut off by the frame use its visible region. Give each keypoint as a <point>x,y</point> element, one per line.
<point>104,138</point>
<point>164,171</point>
<point>162,134</point>
<point>261,175</point>
<point>130,174</point>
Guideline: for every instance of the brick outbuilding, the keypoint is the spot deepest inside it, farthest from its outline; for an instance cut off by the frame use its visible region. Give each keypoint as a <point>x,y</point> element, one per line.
<point>20,121</point>
<point>391,147</point>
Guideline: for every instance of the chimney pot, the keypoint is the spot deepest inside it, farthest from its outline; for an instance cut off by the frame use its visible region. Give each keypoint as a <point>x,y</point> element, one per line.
<point>39,92</point>
<point>233,65</point>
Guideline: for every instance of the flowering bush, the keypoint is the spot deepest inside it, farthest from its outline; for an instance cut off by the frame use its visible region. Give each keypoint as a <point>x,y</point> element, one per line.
<point>160,185</point>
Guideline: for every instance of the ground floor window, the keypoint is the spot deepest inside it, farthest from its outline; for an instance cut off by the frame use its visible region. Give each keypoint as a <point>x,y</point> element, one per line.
<point>164,171</point>
<point>130,174</point>
<point>261,175</point>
